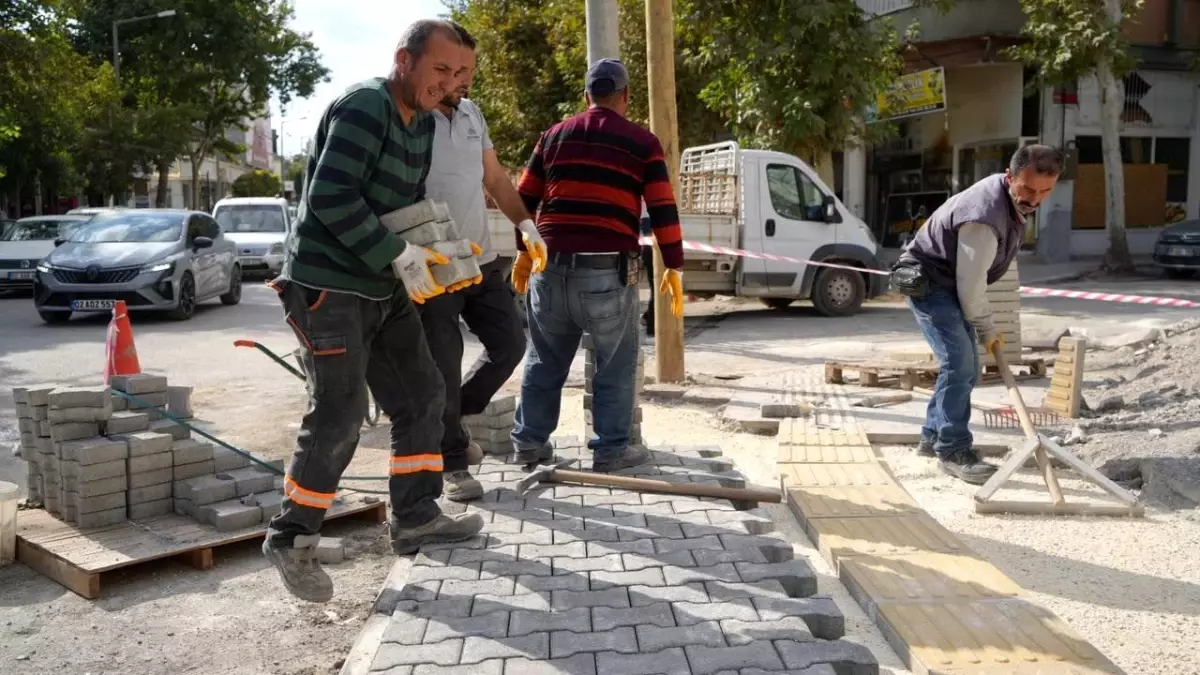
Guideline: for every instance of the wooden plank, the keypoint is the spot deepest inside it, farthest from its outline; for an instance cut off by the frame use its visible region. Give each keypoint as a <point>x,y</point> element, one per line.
<point>1066,509</point>
<point>1065,369</point>
<point>86,584</point>
<point>201,559</point>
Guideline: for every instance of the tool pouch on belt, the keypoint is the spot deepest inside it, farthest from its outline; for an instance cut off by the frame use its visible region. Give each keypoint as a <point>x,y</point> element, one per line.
<point>908,279</point>
<point>631,268</point>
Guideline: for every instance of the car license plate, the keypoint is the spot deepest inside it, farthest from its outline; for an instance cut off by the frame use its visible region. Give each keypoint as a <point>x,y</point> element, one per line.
<point>85,305</point>
<point>1181,251</point>
<point>20,276</point>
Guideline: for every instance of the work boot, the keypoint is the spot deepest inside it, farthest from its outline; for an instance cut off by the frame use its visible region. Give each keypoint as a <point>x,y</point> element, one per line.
<point>474,454</point>
<point>925,448</point>
<point>461,486</point>
<point>299,569</point>
<point>966,466</point>
<point>629,457</point>
<point>443,529</point>
<point>529,457</point>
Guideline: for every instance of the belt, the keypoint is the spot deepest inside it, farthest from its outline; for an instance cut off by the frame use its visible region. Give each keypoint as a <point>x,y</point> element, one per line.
<point>600,261</point>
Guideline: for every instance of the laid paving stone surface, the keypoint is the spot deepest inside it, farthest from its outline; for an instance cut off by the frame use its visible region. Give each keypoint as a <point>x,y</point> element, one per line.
<point>581,580</point>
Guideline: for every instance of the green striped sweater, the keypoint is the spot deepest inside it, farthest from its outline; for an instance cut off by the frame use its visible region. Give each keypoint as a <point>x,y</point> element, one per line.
<point>365,163</point>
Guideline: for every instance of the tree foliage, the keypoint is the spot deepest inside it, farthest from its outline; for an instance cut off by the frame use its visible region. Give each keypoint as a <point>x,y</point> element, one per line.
<point>1066,39</point>
<point>257,183</point>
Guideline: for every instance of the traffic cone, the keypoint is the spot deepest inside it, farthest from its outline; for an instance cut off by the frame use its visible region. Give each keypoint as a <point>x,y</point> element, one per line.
<point>120,355</point>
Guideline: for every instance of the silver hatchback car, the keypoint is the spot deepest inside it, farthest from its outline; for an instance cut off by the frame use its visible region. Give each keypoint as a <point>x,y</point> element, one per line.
<point>153,259</point>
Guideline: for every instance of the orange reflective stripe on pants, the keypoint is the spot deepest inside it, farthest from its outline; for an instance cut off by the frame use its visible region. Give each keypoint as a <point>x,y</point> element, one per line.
<point>305,497</point>
<point>415,464</point>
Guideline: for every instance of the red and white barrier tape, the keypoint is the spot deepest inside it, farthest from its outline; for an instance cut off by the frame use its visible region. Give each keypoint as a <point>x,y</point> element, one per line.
<point>1025,290</point>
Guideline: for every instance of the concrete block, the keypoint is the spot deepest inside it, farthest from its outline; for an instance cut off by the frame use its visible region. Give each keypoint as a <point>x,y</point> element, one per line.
<point>251,479</point>
<point>144,443</point>
<point>225,459</point>
<point>100,503</point>
<point>230,515</point>
<point>179,402</point>
<point>148,478</point>
<point>141,383</point>
<point>162,507</point>
<point>93,472</point>
<point>203,490</point>
<point>118,403</point>
<point>39,413</point>
<point>183,507</point>
<point>45,446</point>
<point>93,451</point>
<point>64,415</point>
<point>412,216</point>
<point>144,463</point>
<point>79,397</point>
<point>152,400</point>
<point>271,503</point>
<point>126,422</point>
<point>101,518</point>
<point>70,431</point>
<point>331,550</point>
<point>190,451</point>
<point>186,471</point>
<point>173,429</point>
<point>37,395</point>
<point>27,426</point>
<point>155,414</point>
<point>150,493</point>
<point>20,395</point>
<point>458,270</point>
<point>99,488</point>
<point>503,405</point>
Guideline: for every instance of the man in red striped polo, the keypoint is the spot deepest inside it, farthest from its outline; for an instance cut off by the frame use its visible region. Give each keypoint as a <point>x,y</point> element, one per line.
<point>586,182</point>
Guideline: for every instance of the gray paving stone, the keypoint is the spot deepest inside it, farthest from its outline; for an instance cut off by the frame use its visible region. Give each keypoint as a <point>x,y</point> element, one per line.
<point>405,629</point>
<point>576,549</point>
<point>648,576</point>
<point>533,646</point>
<point>496,586</point>
<point>564,643</point>
<point>797,577</point>
<point>706,557</point>
<point>755,521</point>
<point>621,498</point>
<point>608,563</point>
<point>694,530</point>
<point>523,622</point>
<point>488,604</point>
<point>683,575</point>
<point>148,478</point>
<point>514,568</point>
<point>433,609</point>
<point>620,522</point>
<point>518,538</point>
<point>775,549</point>
<point>391,654</point>
<point>648,595</point>
<point>562,582</point>
<point>708,660</point>
<point>468,572</point>
<point>738,632</point>
<point>711,542</point>
<point>462,556</point>
<point>580,664</point>
<point>691,613</point>
<point>821,614</point>
<point>720,591</point>
<point>644,547</point>
<point>666,662</point>
<point>689,505</point>
<point>584,511</point>
<point>602,535</point>
<point>421,591</point>
<point>492,626</point>
<point>672,531</point>
<point>846,658</point>
<point>820,669</point>
<point>657,638</point>
<point>490,667</point>
<point>566,491</point>
<point>634,561</point>
<point>607,618</point>
<point>425,558</point>
<point>612,597</point>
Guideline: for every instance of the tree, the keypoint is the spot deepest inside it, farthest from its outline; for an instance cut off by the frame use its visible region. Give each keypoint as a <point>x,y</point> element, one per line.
<point>1071,39</point>
<point>296,166</point>
<point>257,183</point>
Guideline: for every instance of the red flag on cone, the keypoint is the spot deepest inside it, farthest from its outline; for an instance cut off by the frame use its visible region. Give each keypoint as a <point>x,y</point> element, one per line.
<point>120,355</point>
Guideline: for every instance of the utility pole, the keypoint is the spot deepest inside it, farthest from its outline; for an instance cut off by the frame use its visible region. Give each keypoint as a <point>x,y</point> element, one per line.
<point>603,34</point>
<point>664,122</point>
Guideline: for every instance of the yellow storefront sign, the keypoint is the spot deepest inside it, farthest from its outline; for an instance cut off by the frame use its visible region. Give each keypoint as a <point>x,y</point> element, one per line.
<point>914,94</point>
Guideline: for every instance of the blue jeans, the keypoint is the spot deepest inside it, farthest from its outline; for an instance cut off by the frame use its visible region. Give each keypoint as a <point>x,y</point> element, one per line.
<point>566,301</point>
<point>953,342</point>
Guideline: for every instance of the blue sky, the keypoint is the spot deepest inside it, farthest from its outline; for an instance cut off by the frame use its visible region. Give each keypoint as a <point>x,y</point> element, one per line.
<point>357,39</point>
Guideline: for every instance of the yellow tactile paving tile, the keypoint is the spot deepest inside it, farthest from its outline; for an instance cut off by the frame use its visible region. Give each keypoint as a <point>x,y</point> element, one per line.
<point>892,535</point>
<point>806,431</point>
<point>848,502</point>
<point>826,454</point>
<point>863,474</point>
<point>925,576</point>
<point>1011,637</point>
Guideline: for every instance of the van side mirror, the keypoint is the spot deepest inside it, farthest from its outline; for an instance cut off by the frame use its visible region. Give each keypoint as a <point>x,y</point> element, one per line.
<point>59,241</point>
<point>830,210</point>
<point>202,242</point>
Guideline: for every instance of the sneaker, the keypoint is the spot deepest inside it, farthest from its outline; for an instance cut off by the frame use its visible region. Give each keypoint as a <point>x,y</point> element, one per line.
<point>925,449</point>
<point>474,454</point>
<point>299,569</point>
<point>461,486</point>
<point>629,457</point>
<point>443,529</point>
<point>966,466</point>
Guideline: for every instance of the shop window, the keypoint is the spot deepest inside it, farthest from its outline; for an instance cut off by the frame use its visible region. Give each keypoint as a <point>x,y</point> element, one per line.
<point>1090,151</point>
<point>1135,150</point>
<point>1174,153</point>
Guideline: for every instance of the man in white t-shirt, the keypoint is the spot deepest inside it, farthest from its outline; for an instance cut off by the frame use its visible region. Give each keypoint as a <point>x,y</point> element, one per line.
<point>464,165</point>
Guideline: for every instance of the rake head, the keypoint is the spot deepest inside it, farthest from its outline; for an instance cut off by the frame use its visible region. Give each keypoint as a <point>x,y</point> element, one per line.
<point>1006,418</point>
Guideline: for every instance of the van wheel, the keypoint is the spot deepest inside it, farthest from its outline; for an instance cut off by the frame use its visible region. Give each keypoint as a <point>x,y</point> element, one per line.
<point>777,303</point>
<point>838,292</point>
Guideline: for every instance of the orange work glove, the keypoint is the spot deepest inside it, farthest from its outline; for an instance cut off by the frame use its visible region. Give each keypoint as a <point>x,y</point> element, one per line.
<point>521,270</point>
<point>672,286</point>
<point>534,244</point>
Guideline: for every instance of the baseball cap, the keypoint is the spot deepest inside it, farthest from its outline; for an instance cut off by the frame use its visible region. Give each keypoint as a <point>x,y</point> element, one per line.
<point>606,77</point>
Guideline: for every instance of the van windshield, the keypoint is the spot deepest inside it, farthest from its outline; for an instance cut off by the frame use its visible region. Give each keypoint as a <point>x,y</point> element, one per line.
<point>234,218</point>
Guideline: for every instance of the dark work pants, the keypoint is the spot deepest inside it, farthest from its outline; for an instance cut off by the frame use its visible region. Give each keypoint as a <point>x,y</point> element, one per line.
<point>490,312</point>
<point>648,273</point>
<point>348,343</point>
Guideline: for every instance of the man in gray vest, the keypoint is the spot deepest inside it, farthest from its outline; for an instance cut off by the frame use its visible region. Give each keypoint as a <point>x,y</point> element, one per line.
<point>967,244</point>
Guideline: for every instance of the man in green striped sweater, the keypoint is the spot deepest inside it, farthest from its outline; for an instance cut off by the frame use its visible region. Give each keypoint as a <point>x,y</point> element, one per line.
<point>348,288</point>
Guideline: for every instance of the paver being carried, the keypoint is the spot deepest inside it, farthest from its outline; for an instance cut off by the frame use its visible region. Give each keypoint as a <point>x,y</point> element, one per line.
<point>584,580</point>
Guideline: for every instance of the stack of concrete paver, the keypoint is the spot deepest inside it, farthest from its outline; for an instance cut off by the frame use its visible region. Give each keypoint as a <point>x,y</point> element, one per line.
<point>492,428</point>
<point>584,580</point>
<point>589,375</point>
<point>428,223</point>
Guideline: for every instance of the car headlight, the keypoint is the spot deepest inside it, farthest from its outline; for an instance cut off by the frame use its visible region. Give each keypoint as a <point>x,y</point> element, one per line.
<point>276,249</point>
<point>158,267</point>
<point>44,267</point>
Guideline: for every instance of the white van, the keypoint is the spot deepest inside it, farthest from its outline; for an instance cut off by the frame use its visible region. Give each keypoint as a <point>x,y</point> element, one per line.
<point>258,227</point>
<point>764,202</point>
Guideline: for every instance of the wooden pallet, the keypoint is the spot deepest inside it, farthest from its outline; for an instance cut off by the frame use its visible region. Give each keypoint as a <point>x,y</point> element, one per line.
<point>1036,365</point>
<point>78,558</point>
<point>873,373</point>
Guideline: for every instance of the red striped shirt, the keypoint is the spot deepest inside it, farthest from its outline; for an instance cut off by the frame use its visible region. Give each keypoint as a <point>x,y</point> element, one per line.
<point>589,175</point>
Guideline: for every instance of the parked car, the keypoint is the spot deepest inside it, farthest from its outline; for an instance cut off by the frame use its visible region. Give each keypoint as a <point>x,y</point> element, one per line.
<point>26,242</point>
<point>6,224</point>
<point>153,259</point>
<point>94,210</point>
<point>258,227</point>
<point>1177,250</point>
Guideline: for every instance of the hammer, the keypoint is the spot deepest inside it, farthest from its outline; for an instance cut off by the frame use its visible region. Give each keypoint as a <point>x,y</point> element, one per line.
<point>554,473</point>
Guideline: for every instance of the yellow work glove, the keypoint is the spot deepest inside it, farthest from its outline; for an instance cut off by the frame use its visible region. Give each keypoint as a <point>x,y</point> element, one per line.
<point>534,244</point>
<point>412,268</point>
<point>477,251</point>
<point>521,270</point>
<point>672,285</point>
